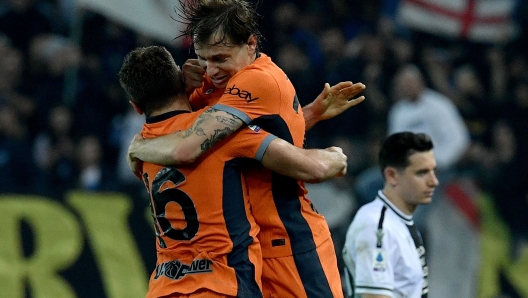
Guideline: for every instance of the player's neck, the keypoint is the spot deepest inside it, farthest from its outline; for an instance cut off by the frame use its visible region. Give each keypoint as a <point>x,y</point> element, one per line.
<point>178,104</point>
<point>396,199</point>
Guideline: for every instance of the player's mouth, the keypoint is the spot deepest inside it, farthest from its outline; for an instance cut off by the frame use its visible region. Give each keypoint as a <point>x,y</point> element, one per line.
<point>219,81</point>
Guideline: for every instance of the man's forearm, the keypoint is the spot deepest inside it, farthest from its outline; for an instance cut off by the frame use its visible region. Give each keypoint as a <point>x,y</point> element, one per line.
<point>158,150</point>
<point>310,118</point>
<point>186,146</point>
<point>313,165</point>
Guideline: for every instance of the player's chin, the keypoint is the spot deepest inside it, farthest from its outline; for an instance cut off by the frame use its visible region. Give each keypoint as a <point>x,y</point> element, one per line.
<point>428,198</point>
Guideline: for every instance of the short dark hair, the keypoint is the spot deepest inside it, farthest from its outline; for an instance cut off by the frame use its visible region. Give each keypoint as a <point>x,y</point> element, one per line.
<point>237,20</point>
<point>151,78</point>
<point>397,148</point>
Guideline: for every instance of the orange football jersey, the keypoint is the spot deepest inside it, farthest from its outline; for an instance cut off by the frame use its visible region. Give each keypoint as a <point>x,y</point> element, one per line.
<point>262,94</point>
<point>205,233</point>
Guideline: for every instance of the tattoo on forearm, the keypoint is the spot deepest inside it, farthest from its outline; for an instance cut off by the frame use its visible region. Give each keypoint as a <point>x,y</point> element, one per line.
<point>230,124</point>
<point>218,135</point>
<point>228,121</point>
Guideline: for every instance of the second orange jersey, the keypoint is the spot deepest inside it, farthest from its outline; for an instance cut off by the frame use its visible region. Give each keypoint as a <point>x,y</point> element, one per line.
<point>262,94</point>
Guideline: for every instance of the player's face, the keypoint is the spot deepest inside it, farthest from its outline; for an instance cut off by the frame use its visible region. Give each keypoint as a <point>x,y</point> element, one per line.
<point>222,61</point>
<point>418,181</point>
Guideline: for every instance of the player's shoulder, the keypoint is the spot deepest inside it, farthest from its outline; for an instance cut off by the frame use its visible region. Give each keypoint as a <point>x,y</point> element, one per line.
<point>181,121</point>
<point>368,215</point>
<point>263,72</point>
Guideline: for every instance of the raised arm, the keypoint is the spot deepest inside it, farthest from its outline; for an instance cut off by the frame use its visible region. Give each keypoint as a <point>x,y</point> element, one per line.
<point>332,101</point>
<point>309,165</point>
<point>185,146</point>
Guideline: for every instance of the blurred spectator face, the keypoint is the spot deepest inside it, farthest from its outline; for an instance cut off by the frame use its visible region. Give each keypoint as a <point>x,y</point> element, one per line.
<point>292,59</point>
<point>60,120</point>
<point>503,141</point>
<point>467,82</point>
<point>374,49</point>
<point>11,67</point>
<point>55,52</point>
<point>518,67</point>
<point>9,123</point>
<point>409,83</point>
<point>89,151</point>
<point>285,15</point>
<point>333,43</point>
<point>403,50</point>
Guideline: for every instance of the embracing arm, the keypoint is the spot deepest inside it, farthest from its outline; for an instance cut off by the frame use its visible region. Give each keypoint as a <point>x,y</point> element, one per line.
<point>309,165</point>
<point>185,146</point>
<point>332,101</point>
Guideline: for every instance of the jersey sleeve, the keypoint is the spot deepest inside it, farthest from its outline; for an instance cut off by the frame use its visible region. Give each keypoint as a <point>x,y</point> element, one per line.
<point>250,94</point>
<point>248,142</point>
<point>374,271</point>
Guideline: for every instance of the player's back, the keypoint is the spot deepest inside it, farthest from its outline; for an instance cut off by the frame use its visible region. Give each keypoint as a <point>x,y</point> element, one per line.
<point>206,236</point>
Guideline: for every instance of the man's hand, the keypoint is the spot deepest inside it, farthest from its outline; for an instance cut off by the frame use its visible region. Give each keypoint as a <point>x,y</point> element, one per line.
<point>134,163</point>
<point>332,101</point>
<point>341,157</point>
<point>336,99</point>
<point>193,75</point>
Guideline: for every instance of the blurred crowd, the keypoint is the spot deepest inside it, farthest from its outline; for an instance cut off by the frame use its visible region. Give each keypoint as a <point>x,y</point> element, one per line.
<point>65,122</point>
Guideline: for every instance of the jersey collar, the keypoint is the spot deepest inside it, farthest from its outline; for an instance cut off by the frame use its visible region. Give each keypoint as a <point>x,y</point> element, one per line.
<point>406,218</point>
<point>165,116</point>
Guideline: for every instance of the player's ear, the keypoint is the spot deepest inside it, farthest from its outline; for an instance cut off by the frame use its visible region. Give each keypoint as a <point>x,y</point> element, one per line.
<point>391,175</point>
<point>136,107</point>
<point>252,43</point>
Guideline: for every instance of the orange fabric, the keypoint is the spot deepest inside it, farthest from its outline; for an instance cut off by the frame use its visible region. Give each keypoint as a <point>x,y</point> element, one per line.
<point>205,96</point>
<point>289,223</point>
<point>199,294</point>
<point>280,279</point>
<point>193,249</point>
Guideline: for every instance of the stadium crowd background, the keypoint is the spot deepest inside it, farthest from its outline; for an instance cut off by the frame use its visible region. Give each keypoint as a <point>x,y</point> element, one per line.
<point>65,122</point>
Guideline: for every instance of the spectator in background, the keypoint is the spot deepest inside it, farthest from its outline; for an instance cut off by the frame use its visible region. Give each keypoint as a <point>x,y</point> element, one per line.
<point>124,128</point>
<point>297,65</point>
<point>471,100</point>
<point>92,173</point>
<point>54,153</point>
<point>16,169</point>
<point>510,147</point>
<point>22,21</point>
<point>51,57</point>
<point>11,85</point>
<point>421,109</point>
